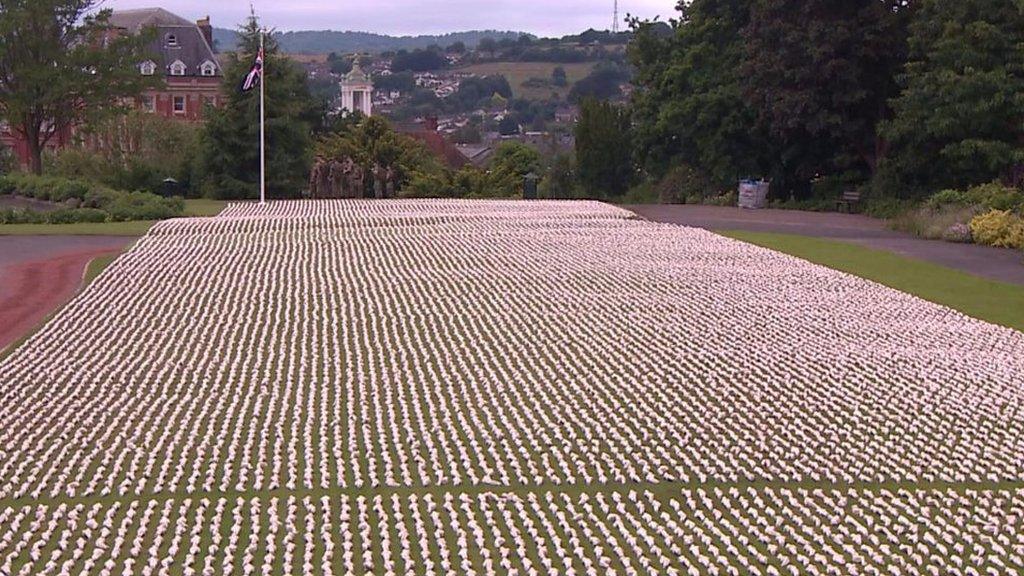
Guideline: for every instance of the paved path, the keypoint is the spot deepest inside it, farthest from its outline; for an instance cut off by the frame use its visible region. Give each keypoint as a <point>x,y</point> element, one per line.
<point>995,263</point>
<point>38,274</point>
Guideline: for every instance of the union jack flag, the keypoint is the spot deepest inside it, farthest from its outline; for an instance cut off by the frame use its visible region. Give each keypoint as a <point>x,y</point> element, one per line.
<point>255,76</point>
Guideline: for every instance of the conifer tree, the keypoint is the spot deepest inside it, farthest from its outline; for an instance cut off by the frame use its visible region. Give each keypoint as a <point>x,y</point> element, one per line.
<point>228,165</point>
<point>604,148</point>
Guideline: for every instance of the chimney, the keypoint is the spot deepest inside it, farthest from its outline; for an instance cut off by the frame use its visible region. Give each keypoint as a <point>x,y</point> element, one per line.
<point>206,29</point>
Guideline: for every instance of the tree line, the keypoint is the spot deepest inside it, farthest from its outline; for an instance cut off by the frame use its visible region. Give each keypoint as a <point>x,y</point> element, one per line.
<point>902,98</point>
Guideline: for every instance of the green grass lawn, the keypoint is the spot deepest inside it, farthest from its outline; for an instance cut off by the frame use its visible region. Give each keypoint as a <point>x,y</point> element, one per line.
<point>96,267</point>
<point>989,300</point>
<point>193,208</point>
<point>203,208</point>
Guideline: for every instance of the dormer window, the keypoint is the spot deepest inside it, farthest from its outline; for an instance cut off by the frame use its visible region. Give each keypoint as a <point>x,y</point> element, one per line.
<point>178,68</point>
<point>208,68</point>
<point>172,40</point>
<point>148,68</point>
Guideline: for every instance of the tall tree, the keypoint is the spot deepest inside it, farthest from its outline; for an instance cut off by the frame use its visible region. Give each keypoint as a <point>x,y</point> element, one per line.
<point>60,66</point>
<point>604,148</point>
<point>229,161</point>
<point>373,145</point>
<point>820,73</point>
<point>960,117</point>
<point>689,105</point>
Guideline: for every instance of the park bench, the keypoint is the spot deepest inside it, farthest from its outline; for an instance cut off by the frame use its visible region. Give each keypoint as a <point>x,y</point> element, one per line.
<point>848,201</point>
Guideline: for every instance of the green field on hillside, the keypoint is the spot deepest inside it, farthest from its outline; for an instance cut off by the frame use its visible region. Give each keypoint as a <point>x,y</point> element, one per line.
<point>519,72</point>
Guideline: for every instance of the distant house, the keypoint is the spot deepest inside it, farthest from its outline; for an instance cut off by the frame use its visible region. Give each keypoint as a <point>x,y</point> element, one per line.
<point>182,54</point>
<point>567,114</point>
<point>478,155</point>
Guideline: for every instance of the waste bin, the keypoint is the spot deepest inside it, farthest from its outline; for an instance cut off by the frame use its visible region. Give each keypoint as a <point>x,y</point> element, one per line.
<point>753,194</point>
<point>530,186</point>
<point>170,188</point>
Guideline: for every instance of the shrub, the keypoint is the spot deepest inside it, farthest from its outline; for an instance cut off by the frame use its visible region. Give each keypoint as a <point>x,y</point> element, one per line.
<point>999,228</point>
<point>143,206</point>
<point>86,201</point>
<point>79,164</point>
<point>946,198</point>
<point>832,187</point>
<point>47,188</point>
<point>141,151</point>
<point>730,198</point>
<point>71,216</point>
<point>643,193</point>
<point>426,185</point>
<point>20,216</point>
<point>995,196</point>
<point>806,205</point>
<point>934,223</point>
<point>960,233</point>
<point>886,207</point>
<point>682,184</point>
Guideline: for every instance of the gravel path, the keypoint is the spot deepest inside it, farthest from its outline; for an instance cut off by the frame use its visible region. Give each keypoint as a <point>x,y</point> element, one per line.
<point>40,273</point>
<point>994,263</point>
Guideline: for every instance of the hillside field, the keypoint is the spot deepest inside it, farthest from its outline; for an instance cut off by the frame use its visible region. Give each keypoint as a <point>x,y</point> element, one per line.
<point>519,72</point>
<point>436,387</point>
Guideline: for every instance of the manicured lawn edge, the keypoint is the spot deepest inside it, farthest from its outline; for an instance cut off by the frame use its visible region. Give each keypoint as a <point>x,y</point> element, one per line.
<point>81,229</point>
<point>193,209</point>
<point>989,300</point>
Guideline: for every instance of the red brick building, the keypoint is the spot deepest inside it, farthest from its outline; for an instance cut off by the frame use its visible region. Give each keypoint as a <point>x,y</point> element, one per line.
<point>182,54</point>
<point>18,147</point>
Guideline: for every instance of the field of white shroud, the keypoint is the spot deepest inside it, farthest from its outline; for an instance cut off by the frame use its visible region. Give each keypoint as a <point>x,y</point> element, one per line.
<point>470,387</point>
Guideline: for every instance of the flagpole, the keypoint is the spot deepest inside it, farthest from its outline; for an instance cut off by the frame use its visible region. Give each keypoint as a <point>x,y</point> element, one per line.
<point>263,127</point>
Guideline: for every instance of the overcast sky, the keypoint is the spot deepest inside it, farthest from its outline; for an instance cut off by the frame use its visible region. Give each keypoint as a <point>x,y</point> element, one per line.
<point>542,17</point>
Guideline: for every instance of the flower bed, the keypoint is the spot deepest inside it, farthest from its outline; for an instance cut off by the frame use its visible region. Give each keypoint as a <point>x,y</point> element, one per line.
<point>496,387</point>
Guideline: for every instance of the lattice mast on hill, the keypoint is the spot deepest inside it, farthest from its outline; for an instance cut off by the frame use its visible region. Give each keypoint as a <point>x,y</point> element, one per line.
<point>615,19</point>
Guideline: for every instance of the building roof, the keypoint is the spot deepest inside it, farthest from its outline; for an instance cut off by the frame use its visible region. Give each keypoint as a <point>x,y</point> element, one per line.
<point>177,39</point>
<point>135,21</point>
<point>477,154</point>
<point>356,75</point>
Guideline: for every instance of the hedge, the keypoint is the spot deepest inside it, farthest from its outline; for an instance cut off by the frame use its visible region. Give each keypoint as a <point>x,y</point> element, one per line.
<point>86,201</point>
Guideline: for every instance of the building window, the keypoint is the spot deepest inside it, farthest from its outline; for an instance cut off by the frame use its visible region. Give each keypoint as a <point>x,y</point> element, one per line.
<point>149,103</point>
<point>179,105</point>
<point>148,68</point>
<point>208,69</point>
<point>172,40</point>
<point>178,68</point>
